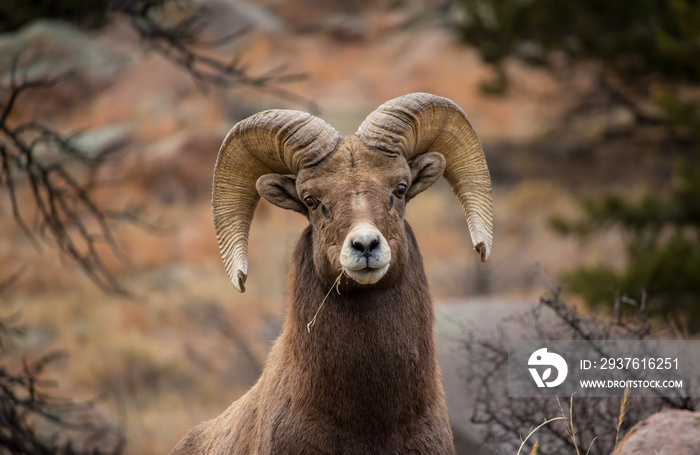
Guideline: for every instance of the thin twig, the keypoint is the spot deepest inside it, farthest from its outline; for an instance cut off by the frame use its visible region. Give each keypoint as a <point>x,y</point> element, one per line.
<point>181,42</point>
<point>65,211</point>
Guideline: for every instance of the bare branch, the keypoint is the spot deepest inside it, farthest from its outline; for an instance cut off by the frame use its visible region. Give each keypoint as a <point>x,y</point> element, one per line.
<point>39,162</point>
<point>181,42</point>
<point>67,427</point>
<point>35,157</point>
<point>502,420</point>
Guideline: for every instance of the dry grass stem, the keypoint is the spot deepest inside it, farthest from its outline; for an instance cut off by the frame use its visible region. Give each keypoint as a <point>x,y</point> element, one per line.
<point>571,424</point>
<point>336,285</point>
<point>591,445</point>
<point>620,420</point>
<point>533,431</point>
<point>621,417</point>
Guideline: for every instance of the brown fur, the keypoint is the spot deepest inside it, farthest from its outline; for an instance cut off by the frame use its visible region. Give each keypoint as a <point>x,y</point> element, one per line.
<point>365,380</point>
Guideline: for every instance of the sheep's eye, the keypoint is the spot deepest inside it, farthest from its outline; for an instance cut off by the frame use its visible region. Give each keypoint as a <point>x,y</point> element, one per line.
<point>311,202</point>
<point>401,190</point>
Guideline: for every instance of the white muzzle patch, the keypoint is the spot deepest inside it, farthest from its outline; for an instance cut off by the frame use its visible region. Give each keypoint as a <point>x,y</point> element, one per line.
<point>366,255</point>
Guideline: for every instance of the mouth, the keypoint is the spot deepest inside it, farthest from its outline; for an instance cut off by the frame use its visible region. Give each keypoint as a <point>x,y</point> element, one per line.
<point>367,275</point>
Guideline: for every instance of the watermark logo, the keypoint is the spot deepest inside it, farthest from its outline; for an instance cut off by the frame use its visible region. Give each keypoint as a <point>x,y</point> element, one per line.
<point>603,368</point>
<point>550,359</point>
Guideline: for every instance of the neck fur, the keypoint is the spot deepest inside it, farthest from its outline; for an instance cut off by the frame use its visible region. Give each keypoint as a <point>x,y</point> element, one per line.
<point>369,362</point>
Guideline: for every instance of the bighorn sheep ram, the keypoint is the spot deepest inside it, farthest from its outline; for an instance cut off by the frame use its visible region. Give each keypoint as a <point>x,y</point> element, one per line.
<point>365,379</point>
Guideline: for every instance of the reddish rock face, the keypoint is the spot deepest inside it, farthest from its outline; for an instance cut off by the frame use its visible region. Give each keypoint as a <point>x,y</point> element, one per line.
<point>665,433</point>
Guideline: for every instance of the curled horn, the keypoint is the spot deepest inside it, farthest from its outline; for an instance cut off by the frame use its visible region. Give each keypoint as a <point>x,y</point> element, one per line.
<point>274,141</point>
<point>419,123</point>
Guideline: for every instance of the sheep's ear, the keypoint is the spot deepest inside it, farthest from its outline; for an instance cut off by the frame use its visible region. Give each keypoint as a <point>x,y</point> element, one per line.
<point>426,169</point>
<point>281,191</point>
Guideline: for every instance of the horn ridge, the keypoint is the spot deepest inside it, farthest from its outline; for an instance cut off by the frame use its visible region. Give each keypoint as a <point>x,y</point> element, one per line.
<point>273,141</point>
<point>420,123</point>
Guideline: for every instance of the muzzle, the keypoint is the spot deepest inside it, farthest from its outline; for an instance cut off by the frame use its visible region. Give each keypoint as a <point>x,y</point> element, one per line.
<point>366,255</point>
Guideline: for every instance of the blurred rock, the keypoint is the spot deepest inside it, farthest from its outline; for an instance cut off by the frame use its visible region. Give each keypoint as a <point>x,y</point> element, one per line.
<point>179,167</point>
<point>304,15</point>
<point>311,16</point>
<point>48,49</point>
<point>356,20</point>
<point>93,144</point>
<point>102,141</point>
<point>670,432</point>
<point>393,20</point>
<point>453,319</point>
<point>230,16</point>
<point>345,27</point>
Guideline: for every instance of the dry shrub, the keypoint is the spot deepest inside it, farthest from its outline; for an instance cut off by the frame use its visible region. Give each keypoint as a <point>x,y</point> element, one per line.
<point>503,420</point>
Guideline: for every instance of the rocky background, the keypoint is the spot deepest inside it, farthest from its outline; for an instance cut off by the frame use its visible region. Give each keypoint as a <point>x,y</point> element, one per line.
<point>185,344</point>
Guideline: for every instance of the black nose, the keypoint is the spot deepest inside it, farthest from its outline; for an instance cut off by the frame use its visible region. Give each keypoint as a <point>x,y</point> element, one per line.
<point>365,246</point>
